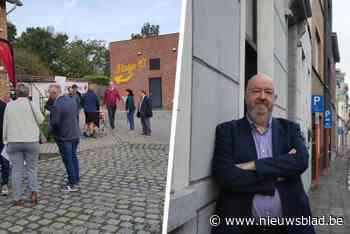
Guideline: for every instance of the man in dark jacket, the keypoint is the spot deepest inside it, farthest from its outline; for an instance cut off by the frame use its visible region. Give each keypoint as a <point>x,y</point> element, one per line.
<point>258,161</point>
<point>145,113</point>
<point>5,165</point>
<point>65,129</point>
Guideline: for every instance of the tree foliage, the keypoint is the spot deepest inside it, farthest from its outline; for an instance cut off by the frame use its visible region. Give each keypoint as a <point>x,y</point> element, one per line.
<point>45,44</point>
<point>26,62</point>
<point>147,30</point>
<point>11,32</point>
<point>54,52</point>
<point>80,58</point>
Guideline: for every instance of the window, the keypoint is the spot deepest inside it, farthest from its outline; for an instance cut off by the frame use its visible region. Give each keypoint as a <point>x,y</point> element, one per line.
<point>317,55</point>
<point>154,64</point>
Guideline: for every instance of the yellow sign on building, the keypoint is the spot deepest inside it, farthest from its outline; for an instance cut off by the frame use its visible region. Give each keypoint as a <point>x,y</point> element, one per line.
<point>125,72</point>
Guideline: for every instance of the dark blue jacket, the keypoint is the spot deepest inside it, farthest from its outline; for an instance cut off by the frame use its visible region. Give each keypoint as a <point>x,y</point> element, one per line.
<point>234,144</point>
<point>64,124</point>
<point>91,103</point>
<point>2,112</point>
<point>145,108</point>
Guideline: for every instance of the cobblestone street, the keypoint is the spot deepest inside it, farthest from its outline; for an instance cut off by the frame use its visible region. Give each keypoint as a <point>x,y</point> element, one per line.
<point>122,191</point>
<point>332,198</point>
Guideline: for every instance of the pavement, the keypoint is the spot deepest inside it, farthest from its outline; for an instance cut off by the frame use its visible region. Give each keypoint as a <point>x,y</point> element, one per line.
<point>332,198</point>
<point>123,178</point>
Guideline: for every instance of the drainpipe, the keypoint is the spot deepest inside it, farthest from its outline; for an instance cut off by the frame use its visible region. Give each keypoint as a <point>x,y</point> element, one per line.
<point>292,72</point>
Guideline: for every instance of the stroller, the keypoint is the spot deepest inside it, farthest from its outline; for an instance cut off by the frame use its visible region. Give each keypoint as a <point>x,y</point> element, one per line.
<point>102,123</point>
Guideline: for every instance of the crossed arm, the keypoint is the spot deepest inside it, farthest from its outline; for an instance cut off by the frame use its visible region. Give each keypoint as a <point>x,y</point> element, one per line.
<point>258,176</point>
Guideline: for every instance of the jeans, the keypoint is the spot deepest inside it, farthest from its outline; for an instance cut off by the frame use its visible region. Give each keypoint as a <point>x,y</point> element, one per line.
<point>5,168</point>
<point>20,152</point>
<point>68,151</point>
<point>130,116</point>
<point>146,125</point>
<point>111,114</point>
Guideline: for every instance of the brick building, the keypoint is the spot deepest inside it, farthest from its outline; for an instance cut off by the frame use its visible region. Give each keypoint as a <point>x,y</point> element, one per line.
<point>4,85</point>
<point>146,64</point>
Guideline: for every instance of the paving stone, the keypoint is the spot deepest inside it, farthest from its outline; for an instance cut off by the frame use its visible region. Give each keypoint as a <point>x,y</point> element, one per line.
<point>71,214</point>
<point>45,222</point>
<point>121,183</point>
<point>57,225</point>
<point>33,226</point>
<point>63,219</point>
<point>110,228</point>
<point>22,222</point>
<point>5,225</point>
<point>125,231</point>
<point>93,232</point>
<point>77,222</point>
<point>84,217</point>
<point>16,229</point>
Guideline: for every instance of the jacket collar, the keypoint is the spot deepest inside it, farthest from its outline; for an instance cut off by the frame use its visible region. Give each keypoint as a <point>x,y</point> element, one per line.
<point>246,134</point>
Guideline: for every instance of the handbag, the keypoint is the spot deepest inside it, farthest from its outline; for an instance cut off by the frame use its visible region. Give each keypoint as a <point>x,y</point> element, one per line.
<point>42,138</point>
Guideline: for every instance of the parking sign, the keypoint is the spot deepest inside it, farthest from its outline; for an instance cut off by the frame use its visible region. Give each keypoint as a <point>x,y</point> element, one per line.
<point>317,103</point>
<point>327,119</point>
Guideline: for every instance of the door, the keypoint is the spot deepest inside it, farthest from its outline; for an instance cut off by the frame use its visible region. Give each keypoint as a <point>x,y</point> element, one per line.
<point>155,92</point>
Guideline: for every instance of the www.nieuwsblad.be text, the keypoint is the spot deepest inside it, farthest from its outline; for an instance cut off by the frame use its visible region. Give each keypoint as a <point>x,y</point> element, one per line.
<point>215,220</point>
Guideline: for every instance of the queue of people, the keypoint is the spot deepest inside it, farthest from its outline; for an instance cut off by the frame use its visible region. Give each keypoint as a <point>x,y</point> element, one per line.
<point>20,122</point>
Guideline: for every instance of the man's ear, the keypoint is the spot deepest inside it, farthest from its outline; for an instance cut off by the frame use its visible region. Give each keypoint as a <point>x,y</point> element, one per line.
<point>276,97</point>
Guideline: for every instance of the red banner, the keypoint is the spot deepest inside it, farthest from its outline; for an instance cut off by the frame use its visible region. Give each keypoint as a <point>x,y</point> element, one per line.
<point>6,57</point>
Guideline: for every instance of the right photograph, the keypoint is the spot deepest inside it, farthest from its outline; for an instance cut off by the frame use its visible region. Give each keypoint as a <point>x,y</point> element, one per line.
<point>260,123</point>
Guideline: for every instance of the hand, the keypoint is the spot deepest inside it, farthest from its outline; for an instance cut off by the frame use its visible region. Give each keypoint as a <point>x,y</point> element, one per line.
<point>292,151</point>
<point>247,166</point>
<point>280,179</point>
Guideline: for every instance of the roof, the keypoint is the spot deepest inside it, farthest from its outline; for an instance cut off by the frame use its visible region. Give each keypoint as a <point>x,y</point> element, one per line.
<point>16,2</point>
<point>169,35</point>
<point>43,79</point>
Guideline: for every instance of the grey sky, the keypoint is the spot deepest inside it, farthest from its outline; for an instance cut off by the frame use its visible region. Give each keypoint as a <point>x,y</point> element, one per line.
<point>341,25</point>
<point>109,20</point>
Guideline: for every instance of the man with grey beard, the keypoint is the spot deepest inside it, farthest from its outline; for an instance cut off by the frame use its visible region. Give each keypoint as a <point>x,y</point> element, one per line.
<point>258,161</point>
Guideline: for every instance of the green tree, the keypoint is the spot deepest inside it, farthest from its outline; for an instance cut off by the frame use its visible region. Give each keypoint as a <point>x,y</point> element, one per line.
<point>74,60</point>
<point>11,32</point>
<point>26,62</point>
<point>45,44</point>
<point>147,30</point>
<point>80,58</point>
<point>98,56</point>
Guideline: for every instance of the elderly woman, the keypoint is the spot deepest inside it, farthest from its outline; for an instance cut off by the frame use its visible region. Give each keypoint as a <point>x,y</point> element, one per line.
<point>21,133</point>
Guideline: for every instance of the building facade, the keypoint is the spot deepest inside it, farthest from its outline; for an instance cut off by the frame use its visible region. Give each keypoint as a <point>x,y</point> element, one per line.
<point>343,113</point>
<point>146,64</point>
<point>318,83</point>
<point>214,65</point>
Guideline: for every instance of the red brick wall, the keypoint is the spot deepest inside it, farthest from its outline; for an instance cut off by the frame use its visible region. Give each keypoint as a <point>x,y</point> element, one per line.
<point>3,21</point>
<point>126,52</point>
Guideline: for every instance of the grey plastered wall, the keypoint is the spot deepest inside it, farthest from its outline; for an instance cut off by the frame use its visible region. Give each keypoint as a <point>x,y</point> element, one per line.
<point>213,97</point>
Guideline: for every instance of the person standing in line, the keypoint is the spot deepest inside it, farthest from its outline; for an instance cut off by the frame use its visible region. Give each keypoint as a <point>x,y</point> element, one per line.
<point>5,164</point>
<point>21,134</point>
<point>145,113</point>
<point>91,109</point>
<point>111,98</point>
<point>78,98</point>
<point>64,128</point>
<point>130,108</point>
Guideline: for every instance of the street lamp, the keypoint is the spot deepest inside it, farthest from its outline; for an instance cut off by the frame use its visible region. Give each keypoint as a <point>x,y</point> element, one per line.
<point>16,3</point>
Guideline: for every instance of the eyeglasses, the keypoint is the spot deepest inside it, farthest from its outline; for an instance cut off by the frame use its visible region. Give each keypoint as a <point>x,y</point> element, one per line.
<point>255,91</point>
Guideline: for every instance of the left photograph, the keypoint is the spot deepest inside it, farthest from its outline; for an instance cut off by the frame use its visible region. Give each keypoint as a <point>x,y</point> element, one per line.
<point>86,94</point>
